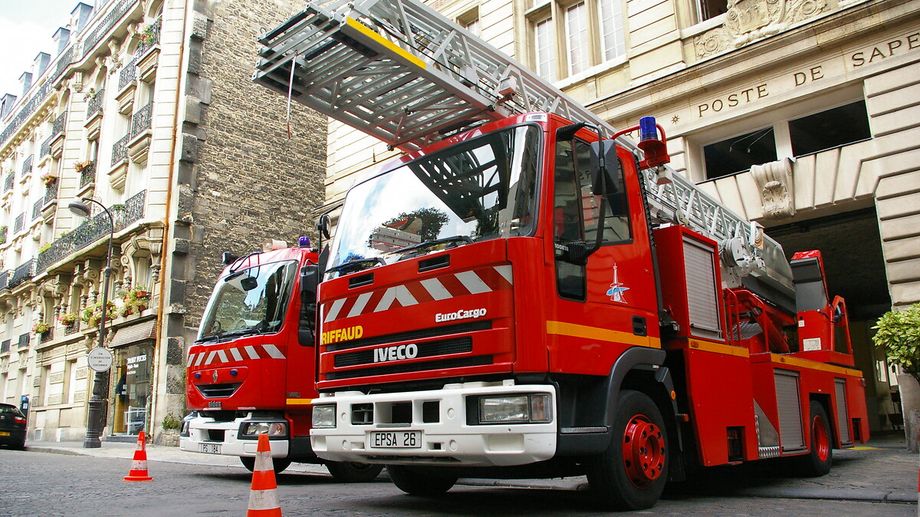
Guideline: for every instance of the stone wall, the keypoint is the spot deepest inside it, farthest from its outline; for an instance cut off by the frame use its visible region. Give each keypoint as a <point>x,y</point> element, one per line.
<point>241,179</point>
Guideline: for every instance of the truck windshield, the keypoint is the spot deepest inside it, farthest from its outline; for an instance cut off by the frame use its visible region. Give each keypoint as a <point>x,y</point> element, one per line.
<point>480,189</point>
<point>249,301</point>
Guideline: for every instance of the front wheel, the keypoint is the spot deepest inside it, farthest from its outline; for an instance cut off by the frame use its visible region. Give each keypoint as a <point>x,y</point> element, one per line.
<point>420,482</point>
<point>354,472</point>
<point>632,472</point>
<point>818,461</point>
<point>279,464</point>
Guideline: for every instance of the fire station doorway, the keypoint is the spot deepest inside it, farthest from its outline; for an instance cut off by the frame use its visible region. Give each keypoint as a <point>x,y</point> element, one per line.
<point>852,250</point>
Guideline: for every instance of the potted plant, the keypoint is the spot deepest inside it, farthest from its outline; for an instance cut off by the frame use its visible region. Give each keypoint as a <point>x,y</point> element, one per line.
<point>148,35</point>
<point>897,335</point>
<point>41,328</point>
<point>93,313</point>
<point>68,319</point>
<point>44,247</point>
<point>80,166</point>
<point>48,179</point>
<point>137,299</point>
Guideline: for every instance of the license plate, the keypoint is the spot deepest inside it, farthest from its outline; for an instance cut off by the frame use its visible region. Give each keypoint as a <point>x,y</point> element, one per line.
<point>396,439</point>
<point>209,448</point>
<point>4,433</point>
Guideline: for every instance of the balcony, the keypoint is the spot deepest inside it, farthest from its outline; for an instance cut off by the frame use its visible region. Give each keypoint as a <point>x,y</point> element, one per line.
<point>148,52</point>
<point>24,340</point>
<point>140,135</point>
<point>93,122</point>
<point>9,181</point>
<point>37,209</point>
<point>47,336</point>
<point>57,135</point>
<point>22,273</point>
<point>118,173</point>
<point>45,151</point>
<point>26,169</point>
<point>127,85</point>
<point>118,11</point>
<point>92,230</point>
<point>5,347</point>
<point>19,223</point>
<point>49,202</point>
<point>4,280</point>
<point>87,179</point>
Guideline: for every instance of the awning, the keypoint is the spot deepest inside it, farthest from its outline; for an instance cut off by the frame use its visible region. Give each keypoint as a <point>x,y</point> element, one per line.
<point>136,333</point>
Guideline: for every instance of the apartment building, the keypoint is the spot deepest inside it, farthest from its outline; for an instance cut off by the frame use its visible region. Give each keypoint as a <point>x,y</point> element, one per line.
<point>146,107</point>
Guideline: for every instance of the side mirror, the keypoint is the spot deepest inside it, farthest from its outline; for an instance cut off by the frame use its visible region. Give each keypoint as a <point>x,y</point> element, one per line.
<point>322,225</point>
<point>309,283</point>
<point>603,163</point>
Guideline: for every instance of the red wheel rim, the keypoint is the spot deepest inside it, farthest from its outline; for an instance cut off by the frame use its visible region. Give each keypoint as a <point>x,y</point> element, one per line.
<point>643,450</point>
<point>822,443</point>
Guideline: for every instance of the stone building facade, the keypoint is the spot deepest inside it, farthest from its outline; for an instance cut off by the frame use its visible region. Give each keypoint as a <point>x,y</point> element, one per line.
<point>799,115</point>
<point>145,106</point>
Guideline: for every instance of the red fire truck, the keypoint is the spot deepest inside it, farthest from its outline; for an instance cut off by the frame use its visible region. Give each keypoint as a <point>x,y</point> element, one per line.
<point>251,370</point>
<point>527,293</point>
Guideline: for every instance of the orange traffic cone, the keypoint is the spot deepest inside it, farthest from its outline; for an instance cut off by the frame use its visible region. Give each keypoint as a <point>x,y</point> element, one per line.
<point>263,500</point>
<point>139,465</point>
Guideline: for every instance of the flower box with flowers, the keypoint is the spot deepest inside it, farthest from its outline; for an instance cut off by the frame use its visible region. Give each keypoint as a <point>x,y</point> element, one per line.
<point>81,166</point>
<point>93,313</point>
<point>68,319</point>
<point>41,328</point>
<point>48,179</point>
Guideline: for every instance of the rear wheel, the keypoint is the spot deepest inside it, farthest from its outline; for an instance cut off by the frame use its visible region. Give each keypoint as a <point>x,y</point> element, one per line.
<point>279,464</point>
<point>354,472</point>
<point>421,482</point>
<point>818,461</point>
<point>632,472</point>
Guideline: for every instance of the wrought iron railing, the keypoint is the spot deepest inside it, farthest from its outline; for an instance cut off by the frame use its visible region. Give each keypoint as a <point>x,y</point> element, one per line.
<point>28,108</point>
<point>46,336</point>
<point>50,193</point>
<point>149,37</point>
<point>95,103</point>
<point>22,273</point>
<point>72,329</point>
<point>128,73</point>
<point>46,147</point>
<point>118,11</point>
<point>9,181</point>
<point>37,208</point>
<point>140,121</point>
<point>20,223</point>
<point>63,62</point>
<point>27,165</point>
<point>120,149</point>
<point>24,340</point>
<point>92,230</point>
<point>5,347</point>
<point>58,127</point>
<point>4,279</point>
<point>88,174</point>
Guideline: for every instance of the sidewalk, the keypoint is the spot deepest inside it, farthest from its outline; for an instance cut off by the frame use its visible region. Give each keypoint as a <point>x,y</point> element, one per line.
<point>880,471</point>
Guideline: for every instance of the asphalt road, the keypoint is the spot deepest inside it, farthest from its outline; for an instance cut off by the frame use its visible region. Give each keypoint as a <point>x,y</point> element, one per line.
<point>38,483</point>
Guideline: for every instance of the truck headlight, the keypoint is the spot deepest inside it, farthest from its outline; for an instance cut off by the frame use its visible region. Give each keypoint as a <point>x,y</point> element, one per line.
<point>254,429</point>
<point>523,409</point>
<point>324,416</point>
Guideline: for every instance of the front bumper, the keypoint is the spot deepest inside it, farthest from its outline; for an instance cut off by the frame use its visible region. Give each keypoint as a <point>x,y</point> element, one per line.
<point>450,440</point>
<point>210,436</point>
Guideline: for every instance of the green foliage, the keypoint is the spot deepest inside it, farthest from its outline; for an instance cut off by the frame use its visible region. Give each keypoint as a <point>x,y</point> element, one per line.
<point>171,422</point>
<point>425,222</point>
<point>898,336</point>
<point>44,247</point>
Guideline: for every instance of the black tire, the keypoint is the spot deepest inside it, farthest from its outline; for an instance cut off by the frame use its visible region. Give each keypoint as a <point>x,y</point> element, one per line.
<point>818,461</point>
<point>634,481</point>
<point>354,472</point>
<point>420,482</point>
<point>279,464</point>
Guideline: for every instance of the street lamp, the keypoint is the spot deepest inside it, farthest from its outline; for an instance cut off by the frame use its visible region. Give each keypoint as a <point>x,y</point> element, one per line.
<point>98,402</point>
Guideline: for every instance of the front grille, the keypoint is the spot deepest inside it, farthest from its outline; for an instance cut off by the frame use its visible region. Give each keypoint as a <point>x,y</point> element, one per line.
<point>218,390</point>
<point>413,367</point>
<point>448,346</point>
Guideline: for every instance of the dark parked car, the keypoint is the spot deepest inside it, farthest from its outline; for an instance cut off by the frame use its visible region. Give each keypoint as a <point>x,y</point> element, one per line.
<point>12,426</point>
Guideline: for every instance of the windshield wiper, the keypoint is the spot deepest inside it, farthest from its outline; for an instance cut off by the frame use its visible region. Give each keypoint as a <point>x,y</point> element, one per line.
<point>455,240</point>
<point>357,265</point>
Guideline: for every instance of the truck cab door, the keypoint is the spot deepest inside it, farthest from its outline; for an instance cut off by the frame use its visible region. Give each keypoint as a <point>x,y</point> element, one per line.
<point>604,302</point>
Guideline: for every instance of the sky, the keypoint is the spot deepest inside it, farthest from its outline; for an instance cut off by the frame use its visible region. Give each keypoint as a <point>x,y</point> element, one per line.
<point>26,27</point>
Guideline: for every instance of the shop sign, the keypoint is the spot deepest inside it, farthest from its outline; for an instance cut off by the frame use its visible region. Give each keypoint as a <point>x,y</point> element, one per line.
<point>99,359</point>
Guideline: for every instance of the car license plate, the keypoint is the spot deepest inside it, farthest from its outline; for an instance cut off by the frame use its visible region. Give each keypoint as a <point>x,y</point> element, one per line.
<point>209,448</point>
<point>4,433</point>
<point>396,439</point>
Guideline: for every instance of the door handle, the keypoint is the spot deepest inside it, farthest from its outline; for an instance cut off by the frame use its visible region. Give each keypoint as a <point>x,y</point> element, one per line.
<point>640,327</point>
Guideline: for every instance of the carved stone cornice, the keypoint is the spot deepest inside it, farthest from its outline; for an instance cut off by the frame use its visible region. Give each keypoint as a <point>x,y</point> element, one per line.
<point>776,187</point>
